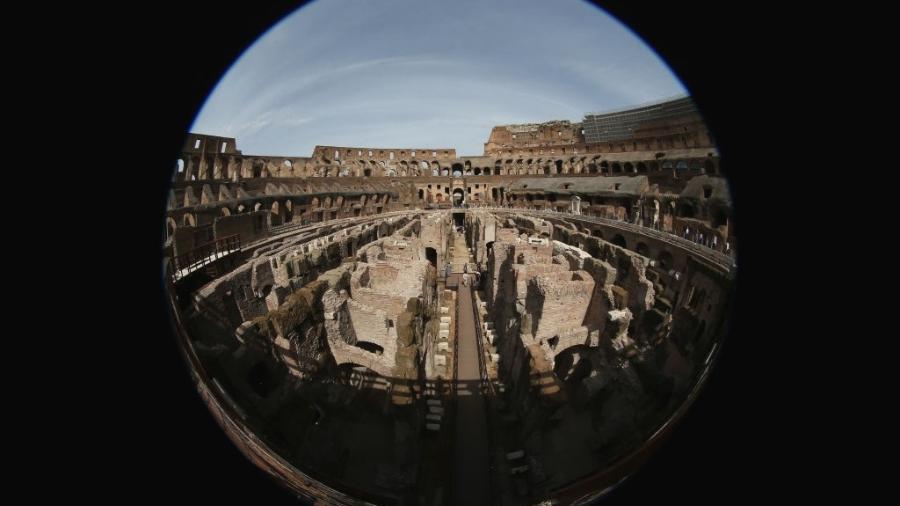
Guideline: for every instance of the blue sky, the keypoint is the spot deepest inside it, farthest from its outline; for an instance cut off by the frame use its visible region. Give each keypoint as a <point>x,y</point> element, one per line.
<point>427,73</point>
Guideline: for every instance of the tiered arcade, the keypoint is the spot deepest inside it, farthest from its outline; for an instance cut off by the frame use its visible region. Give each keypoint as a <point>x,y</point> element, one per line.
<point>318,301</point>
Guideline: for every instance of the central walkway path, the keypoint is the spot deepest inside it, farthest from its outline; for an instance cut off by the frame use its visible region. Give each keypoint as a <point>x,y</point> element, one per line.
<point>471,473</point>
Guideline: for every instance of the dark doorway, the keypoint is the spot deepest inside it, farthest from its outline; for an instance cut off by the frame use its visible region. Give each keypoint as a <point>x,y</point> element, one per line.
<point>431,256</point>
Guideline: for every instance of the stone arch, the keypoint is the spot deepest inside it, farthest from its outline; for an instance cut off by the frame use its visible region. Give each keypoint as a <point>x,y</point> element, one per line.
<point>629,168</point>
<point>276,214</point>
<point>225,211</point>
<point>619,240</point>
<point>459,196</point>
<point>258,169</point>
<point>616,168</point>
<point>641,167</point>
<point>188,220</point>
<point>171,227</point>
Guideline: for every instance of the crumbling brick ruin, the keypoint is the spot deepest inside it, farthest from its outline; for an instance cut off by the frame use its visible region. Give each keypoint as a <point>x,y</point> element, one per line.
<point>329,305</point>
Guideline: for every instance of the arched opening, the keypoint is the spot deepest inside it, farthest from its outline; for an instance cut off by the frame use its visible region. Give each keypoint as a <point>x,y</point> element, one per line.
<point>619,241</point>
<point>210,168</point>
<point>616,168</point>
<point>257,169</point>
<point>459,196</point>
<point>457,170</point>
<point>171,225</point>
<point>664,260</point>
<point>592,168</point>
<point>629,168</point>
<point>226,211</point>
<point>597,233</point>
<point>421,194</point>
<point>276,214</point>
<point>179,166</point>
<point>367,172</point>
<point>641,167</point>
<point>559,166</point>
<point>189,221</point>
<point>445,172</point>
<point>642,249</point>
<point>604,167</point>
<point>431,256</point>
<point>477,171</point>
<point>709,167</point>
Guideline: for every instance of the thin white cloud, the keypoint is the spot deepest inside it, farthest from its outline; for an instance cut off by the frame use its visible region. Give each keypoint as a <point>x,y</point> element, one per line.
<point>387,74</point>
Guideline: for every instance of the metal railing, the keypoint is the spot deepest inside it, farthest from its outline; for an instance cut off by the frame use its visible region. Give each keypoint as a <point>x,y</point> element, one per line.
<point>202,256</point>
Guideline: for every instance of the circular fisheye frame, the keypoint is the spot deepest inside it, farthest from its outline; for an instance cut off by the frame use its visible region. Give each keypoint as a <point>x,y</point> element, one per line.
<point>410,264</point>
